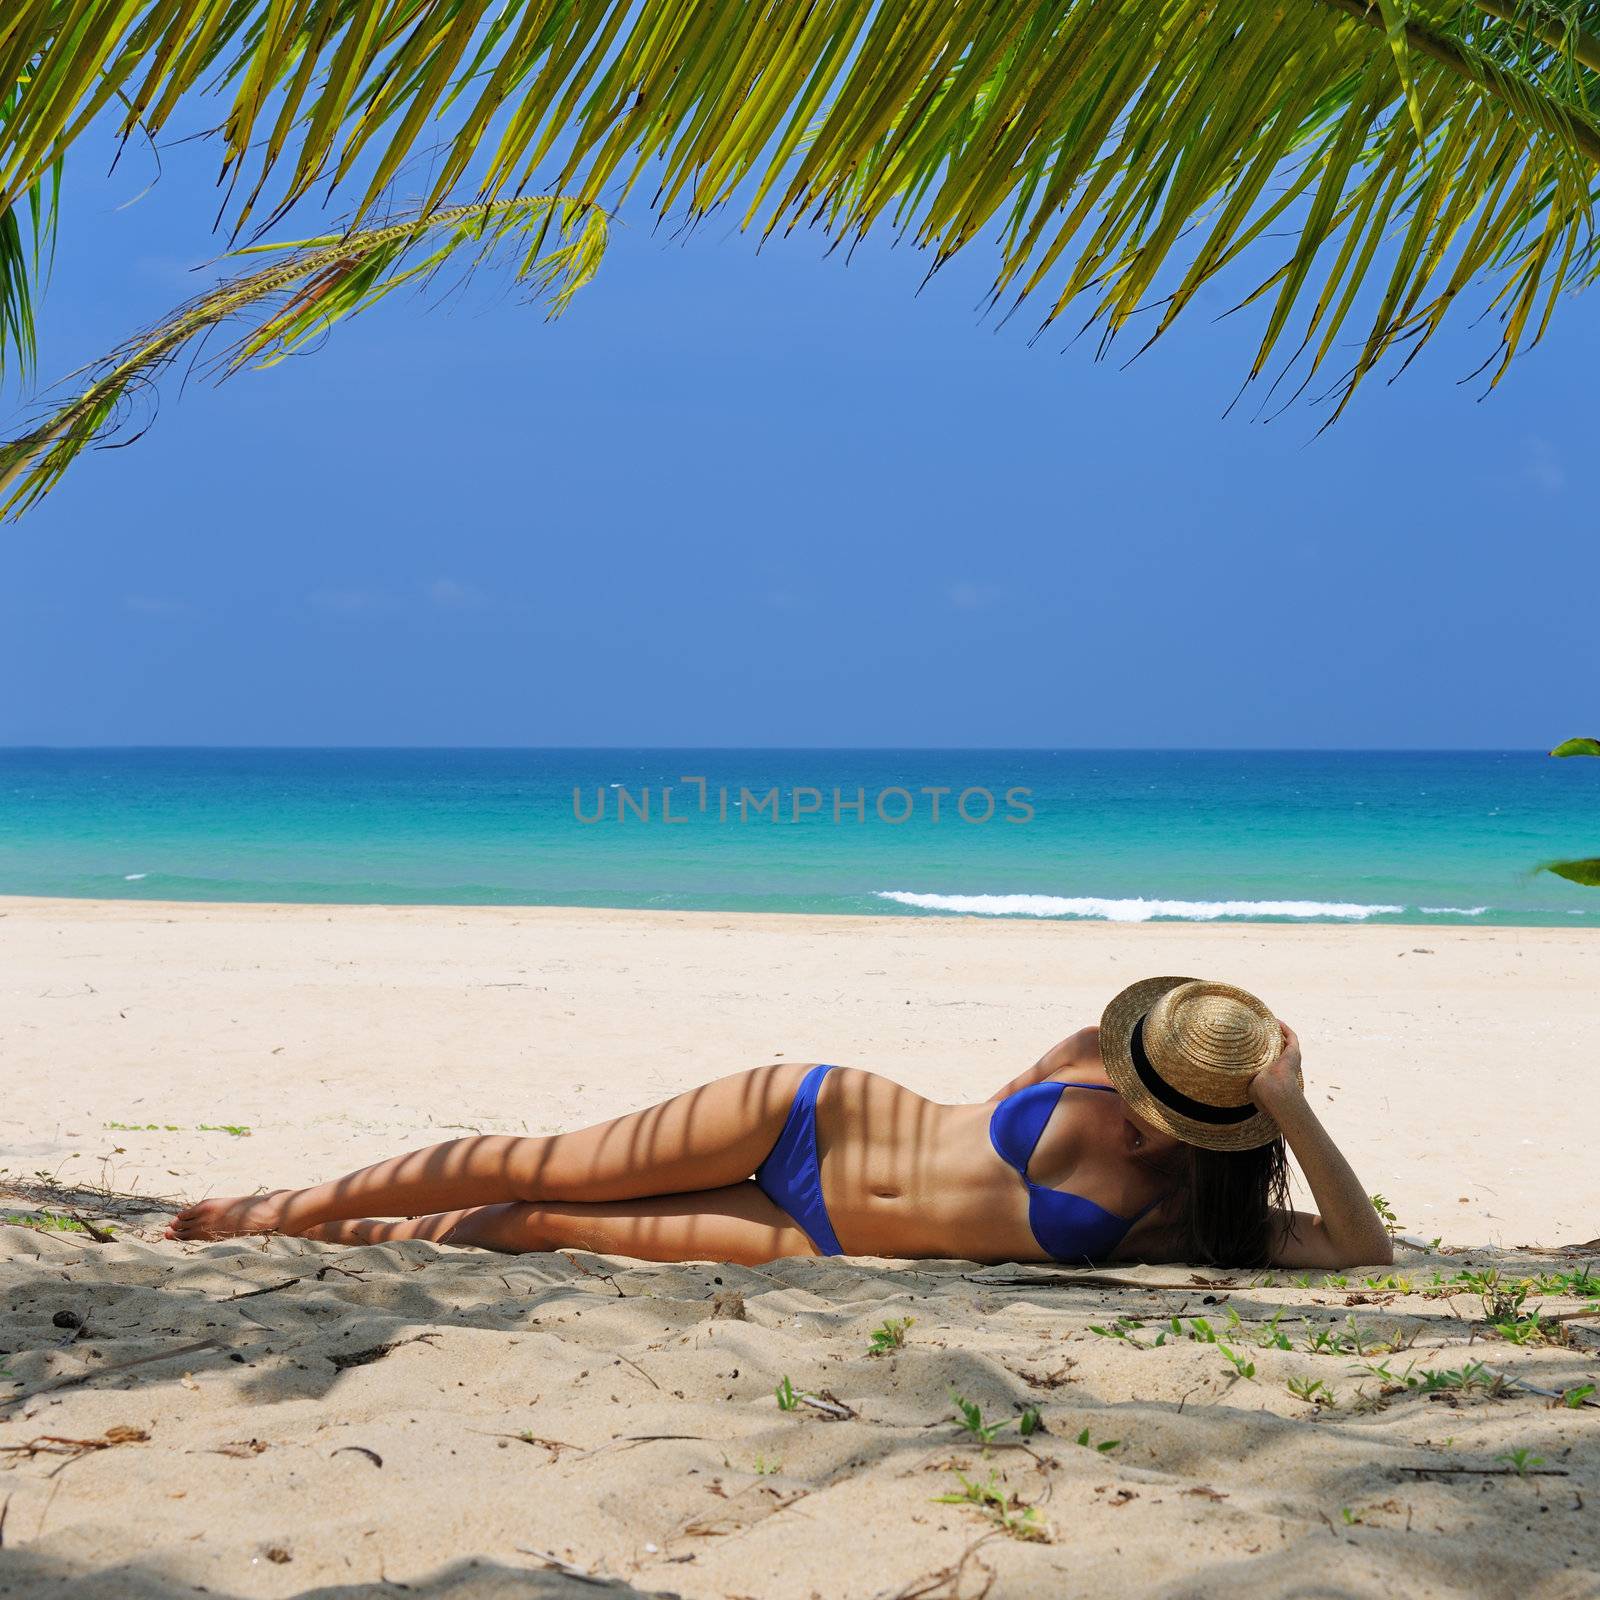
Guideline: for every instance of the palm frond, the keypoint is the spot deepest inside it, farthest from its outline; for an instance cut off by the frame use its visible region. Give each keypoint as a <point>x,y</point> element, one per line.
<point>557,242</point>
<point>27,237</point>
<point>1373,160</point>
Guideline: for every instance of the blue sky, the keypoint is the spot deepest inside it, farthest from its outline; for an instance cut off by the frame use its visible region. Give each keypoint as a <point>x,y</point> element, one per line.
<point>745,498</point>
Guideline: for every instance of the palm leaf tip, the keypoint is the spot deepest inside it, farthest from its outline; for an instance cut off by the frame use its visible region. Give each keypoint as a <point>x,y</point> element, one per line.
<point>1577,747</point>
<point>1585,873</point>
<point>283,307</point>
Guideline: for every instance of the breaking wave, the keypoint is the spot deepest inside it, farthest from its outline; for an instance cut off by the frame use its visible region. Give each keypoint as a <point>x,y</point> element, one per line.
<point>1141,910</point>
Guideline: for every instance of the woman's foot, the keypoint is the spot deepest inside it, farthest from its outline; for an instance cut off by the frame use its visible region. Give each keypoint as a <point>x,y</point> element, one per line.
<point>438,1228</point>
<point>228,1218</point>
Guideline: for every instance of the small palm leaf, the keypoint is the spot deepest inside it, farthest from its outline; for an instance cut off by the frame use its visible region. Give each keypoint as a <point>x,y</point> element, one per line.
<point>1586,872</point>
<point>285,306</point>
<point>1396,13</point>
<point>1577,747</point>
<point>27,234</point>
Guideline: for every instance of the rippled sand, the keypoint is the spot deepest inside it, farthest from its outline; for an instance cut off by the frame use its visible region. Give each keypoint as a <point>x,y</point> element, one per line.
<point>323,1421</point>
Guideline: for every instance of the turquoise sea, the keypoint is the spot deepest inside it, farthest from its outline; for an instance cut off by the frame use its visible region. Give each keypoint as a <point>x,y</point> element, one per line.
<point>1122,835</point>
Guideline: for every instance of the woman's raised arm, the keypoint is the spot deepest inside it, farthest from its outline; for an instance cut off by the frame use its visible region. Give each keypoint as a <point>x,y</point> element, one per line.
<point>1076,1050</point>
<point>1347,1231</point>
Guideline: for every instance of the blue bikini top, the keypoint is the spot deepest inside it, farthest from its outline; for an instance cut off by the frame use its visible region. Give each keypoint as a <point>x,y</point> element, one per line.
<point>1065,1226</point>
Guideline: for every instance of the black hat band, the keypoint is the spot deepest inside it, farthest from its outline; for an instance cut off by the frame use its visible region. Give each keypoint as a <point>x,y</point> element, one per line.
<point>1174,1099</point>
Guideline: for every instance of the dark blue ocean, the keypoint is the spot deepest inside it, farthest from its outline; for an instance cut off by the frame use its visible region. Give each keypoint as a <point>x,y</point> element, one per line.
<point>1122,835</point>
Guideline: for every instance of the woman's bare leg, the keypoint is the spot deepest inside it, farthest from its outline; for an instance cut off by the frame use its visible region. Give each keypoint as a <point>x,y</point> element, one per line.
<point>735,1223</point>
<point>707,1138</point>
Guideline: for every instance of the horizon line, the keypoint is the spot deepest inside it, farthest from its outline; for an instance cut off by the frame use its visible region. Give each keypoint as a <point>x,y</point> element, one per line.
<point>930,749</point>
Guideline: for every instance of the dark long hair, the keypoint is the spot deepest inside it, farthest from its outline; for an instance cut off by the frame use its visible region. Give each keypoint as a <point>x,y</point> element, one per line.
<point>1220,1202</point>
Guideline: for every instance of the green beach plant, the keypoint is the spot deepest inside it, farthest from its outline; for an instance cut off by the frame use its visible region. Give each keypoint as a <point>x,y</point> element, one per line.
<point>48,1222</point>
<point>1353,169</point>
<point>970,1415</point>
<point>1000,1505</point>
<point>889,1336</point>
<point>1103,1446</point>
<point>1386,1215</point>
<point>1474,1377</point>
<point>1312,1390</point>
<point>1503,1303</point>
<point>1242,1365</point>
<point>1587,870</point>
<point>1389,1282</point>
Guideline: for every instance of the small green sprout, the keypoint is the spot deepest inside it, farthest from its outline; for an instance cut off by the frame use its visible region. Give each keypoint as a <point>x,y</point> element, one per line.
<point>1005,1510</point>
<point>970,1415</point>
<point>1463,1380</point>
<point>1272,1337</point>
<point>1105,1446</point>
<point>889,1336</point>
<point>238,1130</point>
<point>1312,1390</point>
<point>788,1400</point>
<point>1244,1368</point>
<point>46,1221</point>
<point>1521,1461</point>
<point>1122,1328</point>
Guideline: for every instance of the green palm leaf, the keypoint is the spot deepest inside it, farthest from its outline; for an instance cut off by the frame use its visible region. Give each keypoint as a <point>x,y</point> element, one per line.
<point>1361,163</point>
<point>1585,873</point>
<point>27,233</point>
<point>558,243</point>
<point>1577,747</point>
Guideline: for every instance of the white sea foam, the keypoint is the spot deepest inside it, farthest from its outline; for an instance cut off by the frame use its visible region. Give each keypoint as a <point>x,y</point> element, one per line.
<point>1137,910</point>
<point>1452,911</point>
<point>134,877</point>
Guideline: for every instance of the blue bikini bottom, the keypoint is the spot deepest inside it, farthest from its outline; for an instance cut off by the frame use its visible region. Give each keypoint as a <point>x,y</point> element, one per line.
<point>791,1176</point>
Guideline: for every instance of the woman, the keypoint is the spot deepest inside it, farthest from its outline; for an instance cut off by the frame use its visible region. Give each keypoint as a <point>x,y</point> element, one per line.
<point>1158,1136</point>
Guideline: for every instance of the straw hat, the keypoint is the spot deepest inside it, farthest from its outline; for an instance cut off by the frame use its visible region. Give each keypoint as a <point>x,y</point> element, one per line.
<point>1182,1051</point>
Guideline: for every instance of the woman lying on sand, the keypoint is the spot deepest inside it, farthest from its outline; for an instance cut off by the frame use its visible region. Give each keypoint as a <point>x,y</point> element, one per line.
<point>1158,1136</point>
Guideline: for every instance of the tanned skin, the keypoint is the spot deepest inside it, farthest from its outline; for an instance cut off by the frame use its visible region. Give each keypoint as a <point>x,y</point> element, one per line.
<point>903,1176</point>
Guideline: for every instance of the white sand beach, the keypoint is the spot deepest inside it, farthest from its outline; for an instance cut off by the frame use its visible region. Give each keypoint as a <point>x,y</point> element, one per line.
<point>279,1418</point>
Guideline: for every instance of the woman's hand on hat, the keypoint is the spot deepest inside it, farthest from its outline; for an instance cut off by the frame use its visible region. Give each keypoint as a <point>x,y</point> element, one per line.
<point>1280,1080</point>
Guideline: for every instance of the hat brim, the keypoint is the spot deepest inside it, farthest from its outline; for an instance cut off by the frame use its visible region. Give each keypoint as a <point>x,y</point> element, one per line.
<point>1117,1023</point>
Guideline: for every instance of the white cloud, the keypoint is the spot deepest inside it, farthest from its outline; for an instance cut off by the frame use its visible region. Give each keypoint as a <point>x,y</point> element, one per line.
<point>345,602</point>
<point>1543,466</point>
<point>453,595</point>
<point>965,595</point>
